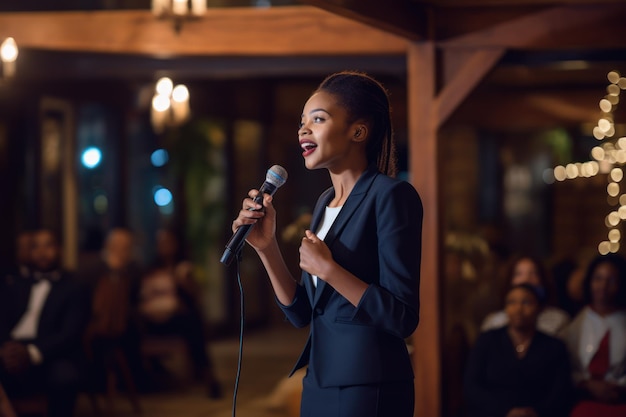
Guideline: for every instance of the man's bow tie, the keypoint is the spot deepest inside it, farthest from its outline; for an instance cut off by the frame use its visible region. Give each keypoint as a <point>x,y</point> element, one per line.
<point>46,276</point>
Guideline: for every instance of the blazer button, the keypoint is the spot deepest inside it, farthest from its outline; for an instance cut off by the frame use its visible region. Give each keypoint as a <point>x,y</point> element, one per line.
<point>319,311</point>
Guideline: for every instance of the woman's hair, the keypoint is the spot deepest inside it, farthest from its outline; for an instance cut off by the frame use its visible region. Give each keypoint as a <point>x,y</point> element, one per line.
<point>537,292</point>
<point>544,282</point>
<point>620,264</point>
<point>366,99</point>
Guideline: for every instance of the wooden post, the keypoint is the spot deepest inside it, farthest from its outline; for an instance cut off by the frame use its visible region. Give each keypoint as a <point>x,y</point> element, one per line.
<point>423,168</point>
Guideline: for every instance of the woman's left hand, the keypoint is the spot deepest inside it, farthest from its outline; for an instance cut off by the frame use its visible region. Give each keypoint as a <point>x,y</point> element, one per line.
<point>315,257</point>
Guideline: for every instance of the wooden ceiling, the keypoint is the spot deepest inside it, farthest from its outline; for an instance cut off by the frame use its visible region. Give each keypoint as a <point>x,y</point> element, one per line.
<point>564,45</point>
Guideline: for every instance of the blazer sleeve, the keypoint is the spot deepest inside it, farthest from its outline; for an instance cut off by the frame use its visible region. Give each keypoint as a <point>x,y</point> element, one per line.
<point>392,303</point>
<point>299,311</point>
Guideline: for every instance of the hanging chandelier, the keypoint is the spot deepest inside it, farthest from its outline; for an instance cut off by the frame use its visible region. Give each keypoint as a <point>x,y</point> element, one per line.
<point>179,10</point>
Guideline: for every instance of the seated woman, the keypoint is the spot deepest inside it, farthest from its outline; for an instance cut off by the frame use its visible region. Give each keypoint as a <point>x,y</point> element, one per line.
<point>167,305</point>
<point>516,370</point>
<point>596,339</point>
<point>526,269</point>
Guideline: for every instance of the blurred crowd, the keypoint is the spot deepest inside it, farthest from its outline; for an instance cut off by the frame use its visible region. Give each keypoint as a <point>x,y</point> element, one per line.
<point>557,346</point>
<point>553,346</point>
<point>64,333</point>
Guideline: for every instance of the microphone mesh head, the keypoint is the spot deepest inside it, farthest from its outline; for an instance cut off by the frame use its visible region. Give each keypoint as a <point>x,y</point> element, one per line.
<point>276,175</point>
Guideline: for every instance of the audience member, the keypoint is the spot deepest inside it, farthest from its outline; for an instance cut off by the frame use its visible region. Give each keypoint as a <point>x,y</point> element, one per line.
<point>41,323</point>
<point>567,275</point>
<point>516,370</point>
<point>112,326</point>
<point>168,304</point>
<point>525,269</point>
<point>596,339</point>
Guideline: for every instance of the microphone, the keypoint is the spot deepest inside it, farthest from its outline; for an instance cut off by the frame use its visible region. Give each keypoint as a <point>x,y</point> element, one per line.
<point>275,177</point>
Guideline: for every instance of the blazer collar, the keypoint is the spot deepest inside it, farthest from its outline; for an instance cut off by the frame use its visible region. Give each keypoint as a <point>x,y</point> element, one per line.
<point>354,200</point>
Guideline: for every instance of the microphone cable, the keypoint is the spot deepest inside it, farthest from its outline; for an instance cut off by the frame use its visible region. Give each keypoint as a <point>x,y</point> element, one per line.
<point>241,326</point>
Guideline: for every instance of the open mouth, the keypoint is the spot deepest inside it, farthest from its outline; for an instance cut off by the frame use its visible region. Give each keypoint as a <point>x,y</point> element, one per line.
<point>308,147</point>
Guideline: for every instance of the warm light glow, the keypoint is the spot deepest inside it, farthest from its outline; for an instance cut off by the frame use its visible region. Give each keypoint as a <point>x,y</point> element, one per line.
<point>612,189</point>
<point>603,247</point>
<point>8,50</point>
<point>598,133</point>
<point>617,174</point>
<point>198,7</point>
<point>613,247</point>
<point>614,235</point>
<point>609,133</point>
<point>613,90</point>
<point>613,218</point>
<point>622,83</point>
<point>164,86</point>
<point>604,125</point>
<point>613,77</point>
<point>571,170</point>
<point>594,168</point>
<point>180,93</point>
<point>605,105</point>
<point>597,153</point>
<point>559,173</point>
<point>179,7</point>
<point>160,103</point>
<point>621,212</point>
<point>613,99</point>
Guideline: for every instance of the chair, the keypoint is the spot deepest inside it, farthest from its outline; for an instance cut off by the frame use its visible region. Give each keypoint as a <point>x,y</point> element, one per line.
<point>116,365</point>
<point>167,348</point>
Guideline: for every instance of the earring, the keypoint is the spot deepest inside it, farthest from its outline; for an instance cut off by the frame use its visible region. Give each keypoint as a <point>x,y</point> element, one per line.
<point>357,133</point>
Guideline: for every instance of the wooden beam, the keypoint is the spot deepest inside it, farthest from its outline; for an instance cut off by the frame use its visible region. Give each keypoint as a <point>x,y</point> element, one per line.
<point>400,17</point>
<point>508,3</point>
<point>277,31</point>
<point>465,80</point>
<point>562,27</point>
<point>423,168</point>
<point>567,108</point>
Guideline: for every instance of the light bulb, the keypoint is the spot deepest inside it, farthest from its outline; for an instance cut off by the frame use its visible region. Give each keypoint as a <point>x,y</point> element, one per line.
<point>8,50</point>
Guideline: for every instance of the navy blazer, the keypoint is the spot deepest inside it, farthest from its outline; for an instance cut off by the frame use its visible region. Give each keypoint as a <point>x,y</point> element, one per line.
<point>377,237</point>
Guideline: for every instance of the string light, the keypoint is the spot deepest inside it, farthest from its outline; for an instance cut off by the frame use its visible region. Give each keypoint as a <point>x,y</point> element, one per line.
<point>605,157</point>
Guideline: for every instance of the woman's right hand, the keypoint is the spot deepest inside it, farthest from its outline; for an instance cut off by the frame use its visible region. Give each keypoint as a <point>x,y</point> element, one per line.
<point>264,221</point>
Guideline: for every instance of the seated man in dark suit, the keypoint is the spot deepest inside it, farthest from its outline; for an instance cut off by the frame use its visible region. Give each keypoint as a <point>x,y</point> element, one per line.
<point>41,324</point>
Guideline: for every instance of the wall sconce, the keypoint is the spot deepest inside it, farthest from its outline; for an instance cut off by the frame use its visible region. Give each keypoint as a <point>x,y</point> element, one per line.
<point>8,55</point>
<point>179,10</point>
<point>170,105</point>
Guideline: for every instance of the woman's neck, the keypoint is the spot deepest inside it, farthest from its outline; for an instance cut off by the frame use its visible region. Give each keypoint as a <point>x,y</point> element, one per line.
<point>521,338</point>
<point>603,309</point>
<point>343,183</point>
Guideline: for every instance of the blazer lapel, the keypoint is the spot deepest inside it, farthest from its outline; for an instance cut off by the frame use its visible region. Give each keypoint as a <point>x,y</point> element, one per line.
<point>316,218</point>
<point>352,203</point>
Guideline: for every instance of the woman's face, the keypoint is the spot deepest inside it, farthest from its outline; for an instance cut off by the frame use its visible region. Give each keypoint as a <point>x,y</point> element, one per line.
<point>525,272</point>
<point>604,284</point>
<point>326,138</point>
<point>522,308</point>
